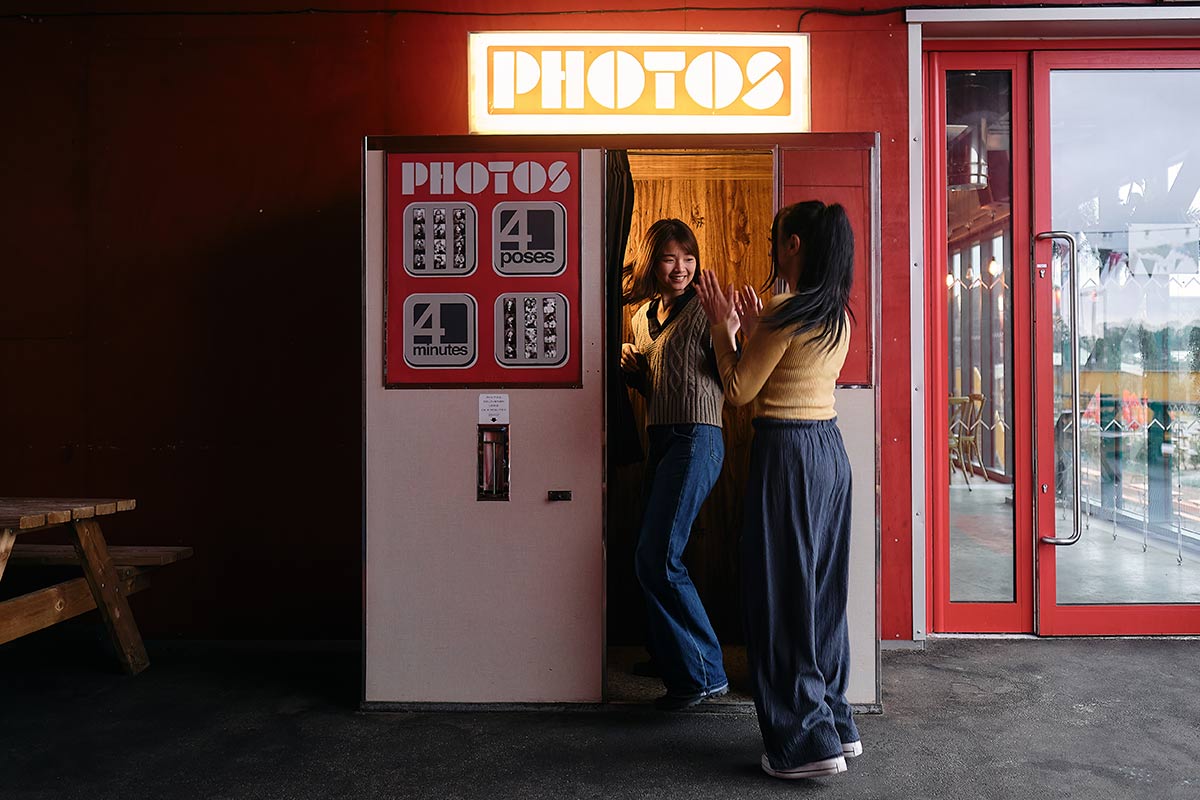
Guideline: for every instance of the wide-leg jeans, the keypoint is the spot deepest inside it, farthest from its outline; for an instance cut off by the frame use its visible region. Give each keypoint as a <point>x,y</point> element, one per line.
<point>683,464</point>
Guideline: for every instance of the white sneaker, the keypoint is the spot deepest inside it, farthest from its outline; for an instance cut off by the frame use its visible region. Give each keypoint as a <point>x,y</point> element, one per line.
<point>813,769</point>
<point>852,749</point>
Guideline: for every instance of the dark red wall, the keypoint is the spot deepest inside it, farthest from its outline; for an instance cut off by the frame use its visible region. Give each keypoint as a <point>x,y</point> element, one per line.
<point>179,320</point>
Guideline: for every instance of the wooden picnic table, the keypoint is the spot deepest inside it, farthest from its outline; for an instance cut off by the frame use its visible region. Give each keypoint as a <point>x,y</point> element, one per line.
<point>110,574</point>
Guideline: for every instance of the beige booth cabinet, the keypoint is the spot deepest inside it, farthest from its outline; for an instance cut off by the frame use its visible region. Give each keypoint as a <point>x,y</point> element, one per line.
<point>476,602</point>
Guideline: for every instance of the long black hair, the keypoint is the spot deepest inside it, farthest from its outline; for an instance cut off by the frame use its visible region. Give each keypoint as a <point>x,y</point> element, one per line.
<point>821,299</point>
<point>637,279</point>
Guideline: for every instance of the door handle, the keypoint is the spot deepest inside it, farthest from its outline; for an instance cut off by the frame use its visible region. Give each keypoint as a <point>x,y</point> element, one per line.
<point>1073,278</point>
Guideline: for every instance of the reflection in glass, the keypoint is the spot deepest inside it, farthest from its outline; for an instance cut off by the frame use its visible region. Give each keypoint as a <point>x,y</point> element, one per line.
<point>979,358</point>
<point>1126,184</point>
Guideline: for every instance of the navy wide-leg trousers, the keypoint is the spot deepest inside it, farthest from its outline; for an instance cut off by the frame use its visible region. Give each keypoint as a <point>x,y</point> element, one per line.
<point>795,573</point>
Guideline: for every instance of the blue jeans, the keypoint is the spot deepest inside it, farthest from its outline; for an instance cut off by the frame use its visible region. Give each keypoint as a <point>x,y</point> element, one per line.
<point>682,466</point>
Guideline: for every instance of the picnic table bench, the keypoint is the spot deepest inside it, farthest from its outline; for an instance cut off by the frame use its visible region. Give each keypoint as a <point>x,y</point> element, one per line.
<point>110,574</point>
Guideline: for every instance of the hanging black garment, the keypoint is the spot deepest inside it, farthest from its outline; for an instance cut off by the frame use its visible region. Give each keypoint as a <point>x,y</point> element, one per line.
<point>624,443</point>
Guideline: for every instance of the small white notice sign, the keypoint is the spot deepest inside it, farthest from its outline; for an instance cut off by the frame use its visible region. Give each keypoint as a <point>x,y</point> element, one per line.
<point>493,409</point>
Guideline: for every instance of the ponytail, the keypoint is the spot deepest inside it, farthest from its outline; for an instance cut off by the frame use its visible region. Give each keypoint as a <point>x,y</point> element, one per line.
<point>821,299</point>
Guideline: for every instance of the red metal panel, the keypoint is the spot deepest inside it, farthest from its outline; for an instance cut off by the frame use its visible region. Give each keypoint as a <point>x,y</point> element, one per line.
<point>841,176</point>
<point>1022,326</point>
<point>43,224</point>
<point>1139,620</point>
<point>556,192</point>
<point>937,476</point>
<point>936,469</point>
<point>1010,45</point>
<point>208,211</point>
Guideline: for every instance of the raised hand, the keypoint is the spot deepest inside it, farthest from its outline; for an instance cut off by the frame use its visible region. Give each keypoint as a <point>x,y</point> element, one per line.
<point>748,306</point>
<point>718,303</point>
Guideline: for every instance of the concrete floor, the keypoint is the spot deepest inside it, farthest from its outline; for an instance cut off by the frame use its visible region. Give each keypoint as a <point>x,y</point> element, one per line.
<point>966,718</point>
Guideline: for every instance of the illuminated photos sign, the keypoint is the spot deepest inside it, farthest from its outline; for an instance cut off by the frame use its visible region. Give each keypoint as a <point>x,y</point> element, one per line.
<point>542,82</point>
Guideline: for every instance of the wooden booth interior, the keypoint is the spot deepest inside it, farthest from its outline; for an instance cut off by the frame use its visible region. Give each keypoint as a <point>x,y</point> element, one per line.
<point>727,198</point>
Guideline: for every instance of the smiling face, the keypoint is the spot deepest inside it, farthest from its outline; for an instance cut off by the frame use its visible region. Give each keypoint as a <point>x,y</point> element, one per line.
<point>674,270</point>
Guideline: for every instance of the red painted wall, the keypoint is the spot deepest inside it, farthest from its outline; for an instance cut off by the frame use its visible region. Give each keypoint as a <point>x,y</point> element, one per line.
<point>180,314</point>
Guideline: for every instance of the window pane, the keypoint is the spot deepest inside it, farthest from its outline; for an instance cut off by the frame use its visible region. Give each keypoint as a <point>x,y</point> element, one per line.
<point>979,247</point>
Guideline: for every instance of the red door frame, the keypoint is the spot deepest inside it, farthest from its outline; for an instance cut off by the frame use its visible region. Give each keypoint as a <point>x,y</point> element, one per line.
<point>1078,620</point>
<point>1031,71</point>
<point>1015,616</point>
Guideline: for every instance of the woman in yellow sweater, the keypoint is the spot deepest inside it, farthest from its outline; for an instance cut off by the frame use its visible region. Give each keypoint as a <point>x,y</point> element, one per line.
<point>796,529</point>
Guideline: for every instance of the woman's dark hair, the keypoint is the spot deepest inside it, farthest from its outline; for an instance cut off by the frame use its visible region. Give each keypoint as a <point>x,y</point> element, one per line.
<point>637,279</point>
<point>821,299</point>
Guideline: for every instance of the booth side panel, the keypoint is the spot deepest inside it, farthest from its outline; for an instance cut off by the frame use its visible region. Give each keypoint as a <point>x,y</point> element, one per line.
<point>856,420</point>
<point>470,601</point>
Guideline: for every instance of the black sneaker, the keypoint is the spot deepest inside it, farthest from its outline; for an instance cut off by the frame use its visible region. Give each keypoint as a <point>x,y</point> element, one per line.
<point>679,702</point>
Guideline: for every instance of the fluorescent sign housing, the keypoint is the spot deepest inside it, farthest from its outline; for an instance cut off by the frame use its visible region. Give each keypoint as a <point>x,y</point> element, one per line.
<point>547,82</point>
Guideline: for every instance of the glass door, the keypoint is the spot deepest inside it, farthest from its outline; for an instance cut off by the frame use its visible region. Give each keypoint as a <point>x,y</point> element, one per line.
<point>1116,350</point>
<point>980,462</point>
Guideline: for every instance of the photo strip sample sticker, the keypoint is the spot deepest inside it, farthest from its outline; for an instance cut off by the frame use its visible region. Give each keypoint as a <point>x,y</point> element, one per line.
<point>531,329</point>
<point>440,239</point>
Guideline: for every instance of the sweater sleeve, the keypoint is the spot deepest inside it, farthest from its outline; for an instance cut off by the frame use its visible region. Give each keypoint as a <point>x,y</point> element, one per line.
<point>744,375</point>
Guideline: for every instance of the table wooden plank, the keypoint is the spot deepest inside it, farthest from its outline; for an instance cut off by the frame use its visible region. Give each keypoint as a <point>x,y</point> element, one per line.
<point>6,545</point>
<point>45,607</point>
<point>53,555</point>
<point>26,513</point>
<point>114,608</point>
<point>17,513</point>
<point>86,507</point>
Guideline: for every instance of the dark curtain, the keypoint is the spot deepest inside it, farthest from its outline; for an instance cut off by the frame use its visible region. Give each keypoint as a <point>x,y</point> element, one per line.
<point>624,443</point>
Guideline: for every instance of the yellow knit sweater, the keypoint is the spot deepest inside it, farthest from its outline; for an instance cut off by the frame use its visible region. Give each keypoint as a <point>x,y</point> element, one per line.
<point>789,377</point>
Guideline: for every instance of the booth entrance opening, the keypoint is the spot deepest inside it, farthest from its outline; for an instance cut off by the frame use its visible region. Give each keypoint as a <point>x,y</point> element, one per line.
<point>728,198</point>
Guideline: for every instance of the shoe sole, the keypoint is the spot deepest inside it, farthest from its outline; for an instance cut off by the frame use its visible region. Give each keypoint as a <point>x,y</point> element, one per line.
<point>852,749</point>
<point>818,769</point>
<point>720,691</point>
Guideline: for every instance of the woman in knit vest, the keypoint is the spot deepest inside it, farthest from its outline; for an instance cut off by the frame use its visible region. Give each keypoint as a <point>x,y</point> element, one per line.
<point>671,363</point>
<point>796,530</point>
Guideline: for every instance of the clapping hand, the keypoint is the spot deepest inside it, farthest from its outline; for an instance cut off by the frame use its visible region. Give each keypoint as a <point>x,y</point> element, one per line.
<point>719,305</point>
<point>748,306</point>
<point>737,309</point>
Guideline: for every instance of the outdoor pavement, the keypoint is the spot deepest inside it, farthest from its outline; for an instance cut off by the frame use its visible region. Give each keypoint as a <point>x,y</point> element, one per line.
<point>964,718</point>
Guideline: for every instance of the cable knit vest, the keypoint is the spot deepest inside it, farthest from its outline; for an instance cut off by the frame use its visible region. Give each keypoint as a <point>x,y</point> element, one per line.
<point>681,387</point>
